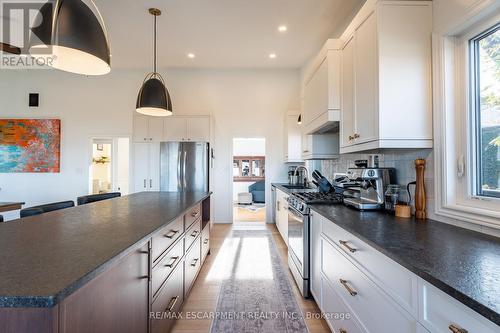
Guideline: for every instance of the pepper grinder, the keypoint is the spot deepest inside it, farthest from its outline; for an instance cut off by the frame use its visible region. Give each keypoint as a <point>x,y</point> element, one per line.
<point>420,209</point>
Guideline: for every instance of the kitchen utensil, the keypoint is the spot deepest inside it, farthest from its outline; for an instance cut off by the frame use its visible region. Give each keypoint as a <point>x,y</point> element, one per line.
<point>420,209</point>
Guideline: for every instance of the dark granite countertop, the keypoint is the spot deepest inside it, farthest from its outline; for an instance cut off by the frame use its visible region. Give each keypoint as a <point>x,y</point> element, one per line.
<point>464,264</point>
<point>45,258</point>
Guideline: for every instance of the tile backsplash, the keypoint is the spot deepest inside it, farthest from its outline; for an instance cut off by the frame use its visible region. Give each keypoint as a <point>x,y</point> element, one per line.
<point>401,160</point>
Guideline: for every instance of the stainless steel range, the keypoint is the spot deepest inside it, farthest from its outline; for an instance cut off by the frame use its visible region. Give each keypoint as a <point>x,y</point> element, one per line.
<point>299,230</point>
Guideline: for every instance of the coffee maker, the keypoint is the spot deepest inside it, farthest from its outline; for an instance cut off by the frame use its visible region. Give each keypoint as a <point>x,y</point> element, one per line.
<point>368,187</point>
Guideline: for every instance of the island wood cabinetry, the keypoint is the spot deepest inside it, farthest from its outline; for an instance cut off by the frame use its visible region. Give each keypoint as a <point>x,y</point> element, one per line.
<point>139,292</point>
<point>350,277</point>
<point>387,43</point>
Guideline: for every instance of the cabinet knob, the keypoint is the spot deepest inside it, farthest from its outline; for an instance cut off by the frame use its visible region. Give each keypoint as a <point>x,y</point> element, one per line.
<point>351,138</point>
<point>457,329</point>
<point>356,135</point>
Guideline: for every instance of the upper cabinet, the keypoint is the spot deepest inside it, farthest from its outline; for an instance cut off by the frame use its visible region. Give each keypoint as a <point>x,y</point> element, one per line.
<point>292,139</point>
<point>321,90</point>
<point>172,128</point>
<point>147,129</point>
<point>386,77</point>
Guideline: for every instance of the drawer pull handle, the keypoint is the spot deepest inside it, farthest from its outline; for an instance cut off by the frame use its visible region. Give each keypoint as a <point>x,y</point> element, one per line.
<point>194,262</point>
<point>349,289</point>
<point>172,262</point>
<point>194,233</point>
<point>171,234</point>
<point>344,244</point>
<point>172,303</point>
<point>205,241</point>
<point>457,329</point>
<point>195,214</point>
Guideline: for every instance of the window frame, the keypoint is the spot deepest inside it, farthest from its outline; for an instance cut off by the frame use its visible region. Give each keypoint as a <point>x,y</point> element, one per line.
<point>454,152</point>
<point>475,110</point>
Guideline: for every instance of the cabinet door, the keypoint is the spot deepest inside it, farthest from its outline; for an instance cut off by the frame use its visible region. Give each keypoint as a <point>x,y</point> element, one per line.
<point>155,129</point>
<point>316,93</point>
<point>284,219</point>
<point>154,167</point>
<point>347,112</point>
<point>141,167</point>
<point>174,129</point>
<point>140,133</point>
<point>315,250</point>
<point>366,77</point>
<point>115,301</point>
<point>198,129</point>
<point>306,145</point>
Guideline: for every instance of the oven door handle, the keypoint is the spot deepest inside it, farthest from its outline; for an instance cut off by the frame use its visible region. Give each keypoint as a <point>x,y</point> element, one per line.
<point>295,213</point>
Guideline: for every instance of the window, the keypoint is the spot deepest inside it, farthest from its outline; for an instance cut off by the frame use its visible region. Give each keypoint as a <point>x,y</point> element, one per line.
<point>485,108</point>
<point>248,168</point>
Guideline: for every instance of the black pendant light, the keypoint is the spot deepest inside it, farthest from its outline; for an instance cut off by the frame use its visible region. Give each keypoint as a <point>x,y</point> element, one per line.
<point>153,98</point>
<point>299,121</point>
<point>78,40</point>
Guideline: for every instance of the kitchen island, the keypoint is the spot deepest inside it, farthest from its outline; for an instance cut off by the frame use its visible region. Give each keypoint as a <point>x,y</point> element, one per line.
<point>101,266</point>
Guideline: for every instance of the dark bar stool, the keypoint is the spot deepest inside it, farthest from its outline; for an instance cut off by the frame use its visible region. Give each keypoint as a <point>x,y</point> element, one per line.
<point>1,218</point>
<point>96,197</point>
<point>36,210</point>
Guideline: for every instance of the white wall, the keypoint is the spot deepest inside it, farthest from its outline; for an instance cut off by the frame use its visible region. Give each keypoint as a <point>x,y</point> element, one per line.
<point>243,103</point>
<point>249,147</point>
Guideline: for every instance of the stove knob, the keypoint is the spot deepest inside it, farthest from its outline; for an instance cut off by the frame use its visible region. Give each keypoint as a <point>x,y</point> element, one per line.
<point>301,207</point>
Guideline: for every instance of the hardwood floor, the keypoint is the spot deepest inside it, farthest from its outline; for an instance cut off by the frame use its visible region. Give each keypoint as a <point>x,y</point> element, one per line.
<point>243,214</point>
<point>205,293</point>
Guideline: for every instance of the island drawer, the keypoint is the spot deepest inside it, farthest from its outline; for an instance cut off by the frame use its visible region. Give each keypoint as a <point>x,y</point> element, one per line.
<point>192,265</point>
<point>193,232</point>
<point>166,265</point>
<point>393,278</point>
<point>168,302</point>
<point>362,296</point>
<point>205,242</point>
<point>162,240</point>
<point>440,313</point>
<point>192,215</point>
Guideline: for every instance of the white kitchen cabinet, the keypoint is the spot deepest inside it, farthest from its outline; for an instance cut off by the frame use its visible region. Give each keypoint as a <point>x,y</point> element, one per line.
<point>146,172</point>
<point>192,128</point>
<point>320,146</point>
<point>438,312</point>
<point>315,255</point>
<point>282,214</point>
<point>321,89</point>
<point>147,129</point>
<point>293,140</point>
<point>386,77</point>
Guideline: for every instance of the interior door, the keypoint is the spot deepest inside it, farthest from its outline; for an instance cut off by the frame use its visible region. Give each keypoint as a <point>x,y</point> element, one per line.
<point>366,86</point>
<point>347,114</point>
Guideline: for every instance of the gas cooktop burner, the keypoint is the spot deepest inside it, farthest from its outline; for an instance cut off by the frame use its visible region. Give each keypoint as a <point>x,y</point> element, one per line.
<point>320,198</point>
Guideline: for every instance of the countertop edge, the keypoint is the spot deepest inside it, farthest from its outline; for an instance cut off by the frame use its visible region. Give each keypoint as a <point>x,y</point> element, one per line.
<point>49,301</point>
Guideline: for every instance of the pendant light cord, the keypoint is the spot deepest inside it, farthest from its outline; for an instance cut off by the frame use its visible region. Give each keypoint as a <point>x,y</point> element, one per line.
<point>154,46</point>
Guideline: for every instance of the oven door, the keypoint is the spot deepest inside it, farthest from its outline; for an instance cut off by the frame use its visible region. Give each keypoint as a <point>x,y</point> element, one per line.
<point>298,236</point>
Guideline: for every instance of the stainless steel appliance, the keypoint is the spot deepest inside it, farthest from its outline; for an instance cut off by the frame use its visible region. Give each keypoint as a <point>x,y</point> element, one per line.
<point>370,185</point>
<point>298,233</point>
<point>184,166</point>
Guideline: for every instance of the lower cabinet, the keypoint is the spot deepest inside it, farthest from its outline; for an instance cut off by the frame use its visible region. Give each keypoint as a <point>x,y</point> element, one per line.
<point>168,301</point>
<point>377,294</point>
<point>282,214</point>
<point>192,265</point>
<point>205,242</point>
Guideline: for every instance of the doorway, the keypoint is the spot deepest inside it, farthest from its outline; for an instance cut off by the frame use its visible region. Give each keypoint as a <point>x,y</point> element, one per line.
<point>249,179</point>
<point>109,167</point>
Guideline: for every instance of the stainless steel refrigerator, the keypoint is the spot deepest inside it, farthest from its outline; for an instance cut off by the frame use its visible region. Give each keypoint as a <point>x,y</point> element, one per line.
<point>184,166</point>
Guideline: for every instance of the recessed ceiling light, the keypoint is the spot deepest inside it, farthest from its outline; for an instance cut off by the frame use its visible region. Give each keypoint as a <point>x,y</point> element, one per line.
<point>272,55</point>
<point>191,55</point>
<point>282,28</point>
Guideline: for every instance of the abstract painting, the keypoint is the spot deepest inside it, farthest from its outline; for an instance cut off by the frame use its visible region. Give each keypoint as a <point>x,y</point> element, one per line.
<point>30,145</point>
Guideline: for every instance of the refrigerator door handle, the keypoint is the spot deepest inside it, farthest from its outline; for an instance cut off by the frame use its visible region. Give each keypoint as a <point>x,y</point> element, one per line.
<point>179,170</point>
<point>184,168</point>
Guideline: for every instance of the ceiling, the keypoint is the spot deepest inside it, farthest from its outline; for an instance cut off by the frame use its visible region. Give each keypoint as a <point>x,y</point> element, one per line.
<point>223,33</point>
